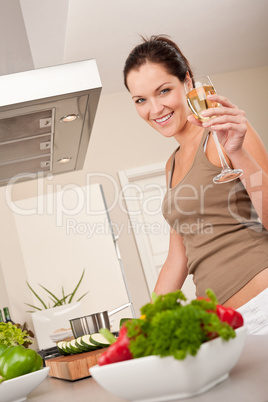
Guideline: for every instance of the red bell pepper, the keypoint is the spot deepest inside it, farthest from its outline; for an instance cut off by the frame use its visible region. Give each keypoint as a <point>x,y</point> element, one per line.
<point>118,351</point>
<point>227,314</point>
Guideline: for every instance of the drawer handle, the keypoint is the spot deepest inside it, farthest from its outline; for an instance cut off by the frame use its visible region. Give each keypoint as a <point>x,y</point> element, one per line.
<point>45,145</point>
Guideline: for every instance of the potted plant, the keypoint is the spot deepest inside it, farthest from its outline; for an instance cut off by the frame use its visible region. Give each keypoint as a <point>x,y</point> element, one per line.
<point>51,319</point>
<point>57,301</point>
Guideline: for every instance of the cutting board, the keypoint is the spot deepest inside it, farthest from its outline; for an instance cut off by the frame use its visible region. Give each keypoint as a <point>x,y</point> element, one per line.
<point>73,367</point>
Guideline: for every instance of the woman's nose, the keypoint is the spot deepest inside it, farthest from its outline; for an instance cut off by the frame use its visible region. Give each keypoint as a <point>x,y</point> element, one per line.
<point>156,108</point>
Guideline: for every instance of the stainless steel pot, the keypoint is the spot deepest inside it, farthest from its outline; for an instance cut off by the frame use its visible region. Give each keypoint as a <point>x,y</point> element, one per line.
<point>90,324</point>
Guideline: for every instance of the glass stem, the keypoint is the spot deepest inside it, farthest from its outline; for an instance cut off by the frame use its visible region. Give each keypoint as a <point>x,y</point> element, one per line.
<point>224,164</point>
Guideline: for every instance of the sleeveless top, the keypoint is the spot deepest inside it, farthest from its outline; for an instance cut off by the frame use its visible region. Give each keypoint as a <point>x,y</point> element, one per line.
<point>226,244</point>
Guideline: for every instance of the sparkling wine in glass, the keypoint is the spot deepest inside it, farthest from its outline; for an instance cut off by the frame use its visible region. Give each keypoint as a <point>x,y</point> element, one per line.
<point>197,89</point>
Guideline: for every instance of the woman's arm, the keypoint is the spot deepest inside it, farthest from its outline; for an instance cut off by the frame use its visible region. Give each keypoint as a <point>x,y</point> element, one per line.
<point>174,270</point>
<point>253,159</point>
<point>243,148</point>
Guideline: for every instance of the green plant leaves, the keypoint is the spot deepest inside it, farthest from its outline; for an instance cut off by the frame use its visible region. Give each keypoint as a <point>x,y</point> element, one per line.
<point>65,299</point>
<point>39,298</point>
<point>77,286</point>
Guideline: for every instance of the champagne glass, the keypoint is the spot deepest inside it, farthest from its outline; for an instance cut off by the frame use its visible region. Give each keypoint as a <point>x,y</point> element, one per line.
<point>197,89</point>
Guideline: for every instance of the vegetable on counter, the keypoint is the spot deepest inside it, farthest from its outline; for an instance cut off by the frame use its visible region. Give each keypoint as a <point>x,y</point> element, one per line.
<point>168,327</point>
<point>225,314</point>
<point>17,360</point>
<point>229,315</point>
<point>118,351</point>
<point>11,335</point>
<point>85,343</point>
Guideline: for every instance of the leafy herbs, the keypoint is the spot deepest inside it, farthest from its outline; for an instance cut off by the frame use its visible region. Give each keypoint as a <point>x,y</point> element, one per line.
<point>170,327</point>
<point>11,335</point>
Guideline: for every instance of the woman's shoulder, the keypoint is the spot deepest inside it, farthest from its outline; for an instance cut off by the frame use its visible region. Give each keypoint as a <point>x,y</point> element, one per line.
<point>170,160</point>
<point>168,164</point>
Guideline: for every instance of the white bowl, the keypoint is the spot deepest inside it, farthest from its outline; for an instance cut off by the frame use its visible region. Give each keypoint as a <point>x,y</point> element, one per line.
<point>155,379</point>
<point>17,389</point>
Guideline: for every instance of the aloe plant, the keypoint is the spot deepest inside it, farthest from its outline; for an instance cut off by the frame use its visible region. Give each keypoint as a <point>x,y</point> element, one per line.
<point>57,301</point>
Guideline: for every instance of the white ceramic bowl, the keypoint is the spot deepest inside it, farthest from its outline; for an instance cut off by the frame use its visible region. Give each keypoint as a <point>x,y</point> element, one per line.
<point>155,379</point>
<point>17,389</point>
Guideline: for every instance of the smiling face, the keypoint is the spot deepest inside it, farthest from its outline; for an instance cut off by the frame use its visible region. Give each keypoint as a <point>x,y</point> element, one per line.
<point>159,98</point>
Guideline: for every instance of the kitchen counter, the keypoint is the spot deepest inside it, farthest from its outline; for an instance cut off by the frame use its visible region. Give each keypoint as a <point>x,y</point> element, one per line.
<point>248,382</point>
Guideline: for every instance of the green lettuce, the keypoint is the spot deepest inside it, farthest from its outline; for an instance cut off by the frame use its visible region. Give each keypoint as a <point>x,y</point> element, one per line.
<point>11,335</point>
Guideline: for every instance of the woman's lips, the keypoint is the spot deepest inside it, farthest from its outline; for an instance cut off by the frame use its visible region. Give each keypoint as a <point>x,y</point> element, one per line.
<point>164,119</point>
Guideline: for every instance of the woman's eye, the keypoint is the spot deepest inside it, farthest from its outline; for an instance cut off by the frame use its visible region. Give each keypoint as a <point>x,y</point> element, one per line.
<point>140,100</point>
<point>164,91</point>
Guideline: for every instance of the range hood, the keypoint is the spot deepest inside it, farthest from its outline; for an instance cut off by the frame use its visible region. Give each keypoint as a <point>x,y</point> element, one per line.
<point>46,119</point>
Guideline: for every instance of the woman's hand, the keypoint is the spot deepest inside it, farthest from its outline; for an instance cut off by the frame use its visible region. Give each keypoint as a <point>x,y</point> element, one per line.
<point>228,121</point>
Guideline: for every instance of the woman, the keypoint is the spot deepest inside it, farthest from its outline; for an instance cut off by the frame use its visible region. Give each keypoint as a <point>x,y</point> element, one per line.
<point>216,233</point>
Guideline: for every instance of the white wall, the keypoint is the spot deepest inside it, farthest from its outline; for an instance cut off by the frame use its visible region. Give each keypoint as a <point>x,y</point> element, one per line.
<point>121,140</point>
<point>3,291</point>
<point>248,89</point>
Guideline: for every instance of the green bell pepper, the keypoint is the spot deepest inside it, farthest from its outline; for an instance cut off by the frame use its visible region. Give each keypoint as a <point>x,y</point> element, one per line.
<point>17,360</point>
<point>3,347</point>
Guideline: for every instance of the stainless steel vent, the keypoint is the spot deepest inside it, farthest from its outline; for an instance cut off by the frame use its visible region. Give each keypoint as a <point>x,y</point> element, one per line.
<point>46,119</point>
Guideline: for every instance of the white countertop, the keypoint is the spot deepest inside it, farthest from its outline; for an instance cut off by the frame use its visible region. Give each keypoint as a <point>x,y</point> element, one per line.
<point>248,382</point>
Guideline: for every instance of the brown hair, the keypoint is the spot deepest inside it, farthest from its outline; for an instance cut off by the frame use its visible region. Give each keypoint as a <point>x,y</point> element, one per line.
<point>158,50</point>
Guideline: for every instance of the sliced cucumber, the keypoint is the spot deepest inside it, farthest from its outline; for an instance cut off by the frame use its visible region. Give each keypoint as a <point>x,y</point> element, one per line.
<point>99,340</point>
<point>73,347</point>
<point>85,341</point>
<point>82,347</point>
<point>108,335</point>
<point>79,345</point>
<point>60,346</point>
<point>69,348</point>
<point>64,347</point>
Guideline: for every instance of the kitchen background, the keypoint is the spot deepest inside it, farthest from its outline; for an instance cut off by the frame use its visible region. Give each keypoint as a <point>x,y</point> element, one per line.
<point>227,40</point>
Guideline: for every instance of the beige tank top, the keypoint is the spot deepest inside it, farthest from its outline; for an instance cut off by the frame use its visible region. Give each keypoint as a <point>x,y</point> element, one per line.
<point>226,245</point>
